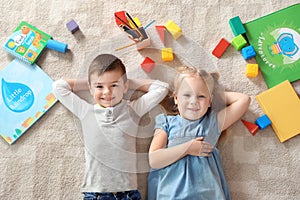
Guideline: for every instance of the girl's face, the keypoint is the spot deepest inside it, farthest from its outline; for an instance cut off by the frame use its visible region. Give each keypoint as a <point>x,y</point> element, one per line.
<point>192,98</point>
<point>108,89</point>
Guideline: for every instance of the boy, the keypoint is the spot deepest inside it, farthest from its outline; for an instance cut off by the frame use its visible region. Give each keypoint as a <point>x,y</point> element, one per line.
<point>110,125</point>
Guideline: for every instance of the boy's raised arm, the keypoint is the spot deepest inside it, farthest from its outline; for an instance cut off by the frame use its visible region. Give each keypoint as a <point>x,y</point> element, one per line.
<point>140,84</point>
<point>155,92</point>
<point>78,84</point>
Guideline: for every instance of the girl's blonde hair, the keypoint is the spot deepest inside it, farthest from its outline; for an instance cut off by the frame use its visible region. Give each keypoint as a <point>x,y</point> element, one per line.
<point>210,79</point>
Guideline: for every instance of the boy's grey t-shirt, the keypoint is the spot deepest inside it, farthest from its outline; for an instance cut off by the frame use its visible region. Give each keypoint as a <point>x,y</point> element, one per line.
<point>109,136</point>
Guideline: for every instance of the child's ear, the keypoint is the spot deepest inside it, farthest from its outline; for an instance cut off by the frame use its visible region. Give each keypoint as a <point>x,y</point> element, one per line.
<point>175,98</point>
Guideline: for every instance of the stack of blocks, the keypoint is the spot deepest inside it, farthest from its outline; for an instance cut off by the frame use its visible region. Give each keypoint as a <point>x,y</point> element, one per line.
<point>166,53</point>
<point>239,43</point>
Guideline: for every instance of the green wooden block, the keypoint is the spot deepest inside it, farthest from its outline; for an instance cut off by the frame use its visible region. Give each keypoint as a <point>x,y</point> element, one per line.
<point>237,26</point>
<point>238,42</point>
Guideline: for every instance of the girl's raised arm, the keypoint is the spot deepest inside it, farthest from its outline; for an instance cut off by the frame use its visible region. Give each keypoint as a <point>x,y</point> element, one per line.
<point>236,105</point>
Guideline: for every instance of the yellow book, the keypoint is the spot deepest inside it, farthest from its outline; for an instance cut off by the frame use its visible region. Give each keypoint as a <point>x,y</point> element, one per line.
<point>282,105</point>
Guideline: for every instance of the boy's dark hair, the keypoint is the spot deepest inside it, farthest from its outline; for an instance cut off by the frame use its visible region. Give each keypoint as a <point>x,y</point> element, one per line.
<point>104,63</point>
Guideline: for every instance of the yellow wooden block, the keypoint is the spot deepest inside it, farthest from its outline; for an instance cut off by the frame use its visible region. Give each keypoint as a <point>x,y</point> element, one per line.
<point>174,29</point>
<point>252,70</point>
<point>167,54</point>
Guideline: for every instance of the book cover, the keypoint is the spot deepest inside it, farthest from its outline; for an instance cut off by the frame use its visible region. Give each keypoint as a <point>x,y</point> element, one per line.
<point>26,94</point>
<point>276,40</point>
<point>26,42</point>
<point>282,105</point>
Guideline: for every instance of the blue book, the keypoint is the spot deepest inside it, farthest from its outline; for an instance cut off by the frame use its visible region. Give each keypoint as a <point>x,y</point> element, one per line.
<point>25,96</point>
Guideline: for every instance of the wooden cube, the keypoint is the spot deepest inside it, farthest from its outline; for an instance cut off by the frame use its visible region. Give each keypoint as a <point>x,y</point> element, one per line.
<point>252,70</point>
<point>167,54</point>
<point>238,42</point>
<point>174,29</point>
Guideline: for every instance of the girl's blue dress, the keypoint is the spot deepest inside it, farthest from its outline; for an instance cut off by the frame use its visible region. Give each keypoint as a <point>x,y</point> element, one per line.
<point>192,177</point>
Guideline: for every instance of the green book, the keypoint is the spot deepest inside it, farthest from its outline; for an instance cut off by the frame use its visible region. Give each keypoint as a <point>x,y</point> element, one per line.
<point>26,42</point>
<point>276,40</point>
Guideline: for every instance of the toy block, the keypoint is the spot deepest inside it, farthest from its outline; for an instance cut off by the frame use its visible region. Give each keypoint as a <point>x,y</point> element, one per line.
<point>57,46</point>
<point>252,70</point>
<point>263,121</point>
<point>252,128</point>
<point>237,26</point>
<point>147,64</point>
<point>220,48</point>
<point>238,42</point>
<point>161,32</point>
<point>72,26</point>
<point>248,52</point>
<point>167,54</point>
<point>174,29</point>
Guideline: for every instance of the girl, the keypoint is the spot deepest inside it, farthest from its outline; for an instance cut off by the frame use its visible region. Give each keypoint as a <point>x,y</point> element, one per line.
<point>185,165</point>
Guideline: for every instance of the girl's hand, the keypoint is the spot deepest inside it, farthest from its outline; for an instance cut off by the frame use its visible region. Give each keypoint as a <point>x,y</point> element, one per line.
<point>198,147</point>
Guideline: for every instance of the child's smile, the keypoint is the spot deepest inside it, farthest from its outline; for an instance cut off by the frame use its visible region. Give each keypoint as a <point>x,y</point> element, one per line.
<point>108,89</point>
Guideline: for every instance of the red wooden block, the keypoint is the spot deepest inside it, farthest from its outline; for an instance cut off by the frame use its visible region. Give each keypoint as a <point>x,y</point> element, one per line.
<point>161,32</point>
<point>253,128</point>
<point>220,48</point>
<point>147,65</point>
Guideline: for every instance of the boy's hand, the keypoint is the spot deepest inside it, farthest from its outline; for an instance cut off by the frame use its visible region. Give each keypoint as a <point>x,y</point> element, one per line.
<point>198,147</point>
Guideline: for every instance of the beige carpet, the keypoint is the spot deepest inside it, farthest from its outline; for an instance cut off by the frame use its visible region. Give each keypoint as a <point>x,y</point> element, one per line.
<point>47,161</point>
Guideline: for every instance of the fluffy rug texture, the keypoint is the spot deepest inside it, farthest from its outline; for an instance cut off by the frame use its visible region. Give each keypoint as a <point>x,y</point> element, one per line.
<point>47,162</point>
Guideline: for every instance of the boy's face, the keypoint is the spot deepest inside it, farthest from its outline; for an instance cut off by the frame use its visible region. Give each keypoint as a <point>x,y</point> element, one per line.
<point>108,89</point>
<point>192,98</point>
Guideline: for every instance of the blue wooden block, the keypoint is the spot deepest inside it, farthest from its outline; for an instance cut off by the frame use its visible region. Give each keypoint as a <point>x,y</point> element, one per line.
<point>248,52</point>
<point>263,121</point>
<point>237,26</point>
<point>57,46</point>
